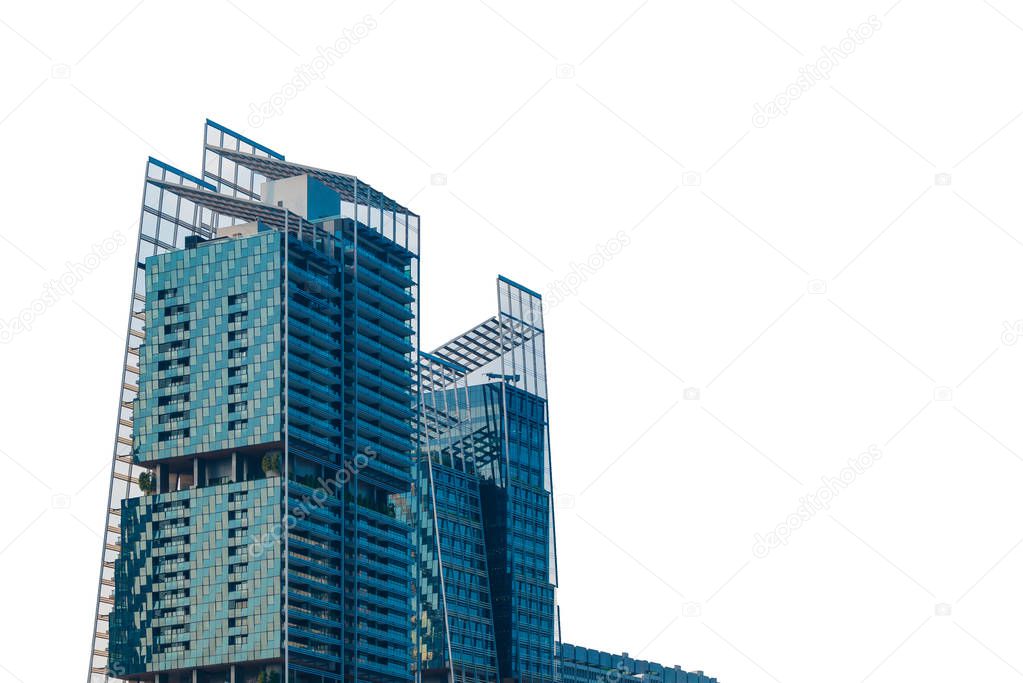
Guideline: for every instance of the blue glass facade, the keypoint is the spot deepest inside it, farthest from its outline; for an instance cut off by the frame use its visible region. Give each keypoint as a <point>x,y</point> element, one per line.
<point>455,627</point>
<point>487,550</point>
<point>260,523</point>
<point>192,543</point>
<point>211,368</point>
<point>298,492</point>
<point>583,665</point>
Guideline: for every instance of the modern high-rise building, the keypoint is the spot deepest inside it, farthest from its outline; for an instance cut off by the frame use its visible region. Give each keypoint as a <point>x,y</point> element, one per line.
<point>584,665</point>
<point>260,513</point>
<point>298,492</point>
<point>485,534</point>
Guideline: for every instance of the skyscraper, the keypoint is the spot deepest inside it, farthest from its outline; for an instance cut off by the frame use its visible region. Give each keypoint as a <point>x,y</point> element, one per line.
<point>260,513</point>
<point>298,492</point>
<point>486,544</point>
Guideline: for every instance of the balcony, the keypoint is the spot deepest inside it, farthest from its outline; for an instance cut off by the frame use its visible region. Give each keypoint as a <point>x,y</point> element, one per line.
<point>316,389</point>
<point>401,381</point>
<point>367,311</point>
<point>318,281</point>
<point>373,389</point>
<point>388,306</point>
<point>402,429</point>
<point>320,298</point>
<point>305,312</point>
<point>394,359</point>
<point>324,428</point>
<point>313,353</point>
<point>370,280</point>
<point>297,431</point>
<point>389,339</point>
<point>312,406</point>
<point>321,339</point>
<point>316,373</point>
<point>369,262</point>
<point>397,448</point>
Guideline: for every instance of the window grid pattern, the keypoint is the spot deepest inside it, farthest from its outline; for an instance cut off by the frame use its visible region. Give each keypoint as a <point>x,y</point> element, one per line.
<point>211,364</point>
<point>584,665</point>
<point>517,510</point>
<point>487,573</point>
<point>198,581</point>
<point>123,472</point>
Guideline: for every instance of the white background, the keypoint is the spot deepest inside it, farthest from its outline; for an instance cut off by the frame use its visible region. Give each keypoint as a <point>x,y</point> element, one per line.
<point>809,278</point>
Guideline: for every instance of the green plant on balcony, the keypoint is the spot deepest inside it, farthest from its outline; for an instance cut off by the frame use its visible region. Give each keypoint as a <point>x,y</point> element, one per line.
<point>268,676</point>
<point>272,463</point>
<point>147,482</point>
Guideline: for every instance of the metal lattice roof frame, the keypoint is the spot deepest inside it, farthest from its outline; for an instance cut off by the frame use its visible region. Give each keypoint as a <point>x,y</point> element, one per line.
<point>486,342</point>
<point>348,186</point>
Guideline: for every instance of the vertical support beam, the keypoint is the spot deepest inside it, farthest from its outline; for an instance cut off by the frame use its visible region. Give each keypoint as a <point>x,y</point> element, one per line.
<point>286,467</point>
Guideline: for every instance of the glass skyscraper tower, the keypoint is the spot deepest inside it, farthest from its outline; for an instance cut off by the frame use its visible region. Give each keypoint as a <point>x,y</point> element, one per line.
<point>261,511</point>
<point>485,532</point>
<point>299,492</point>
